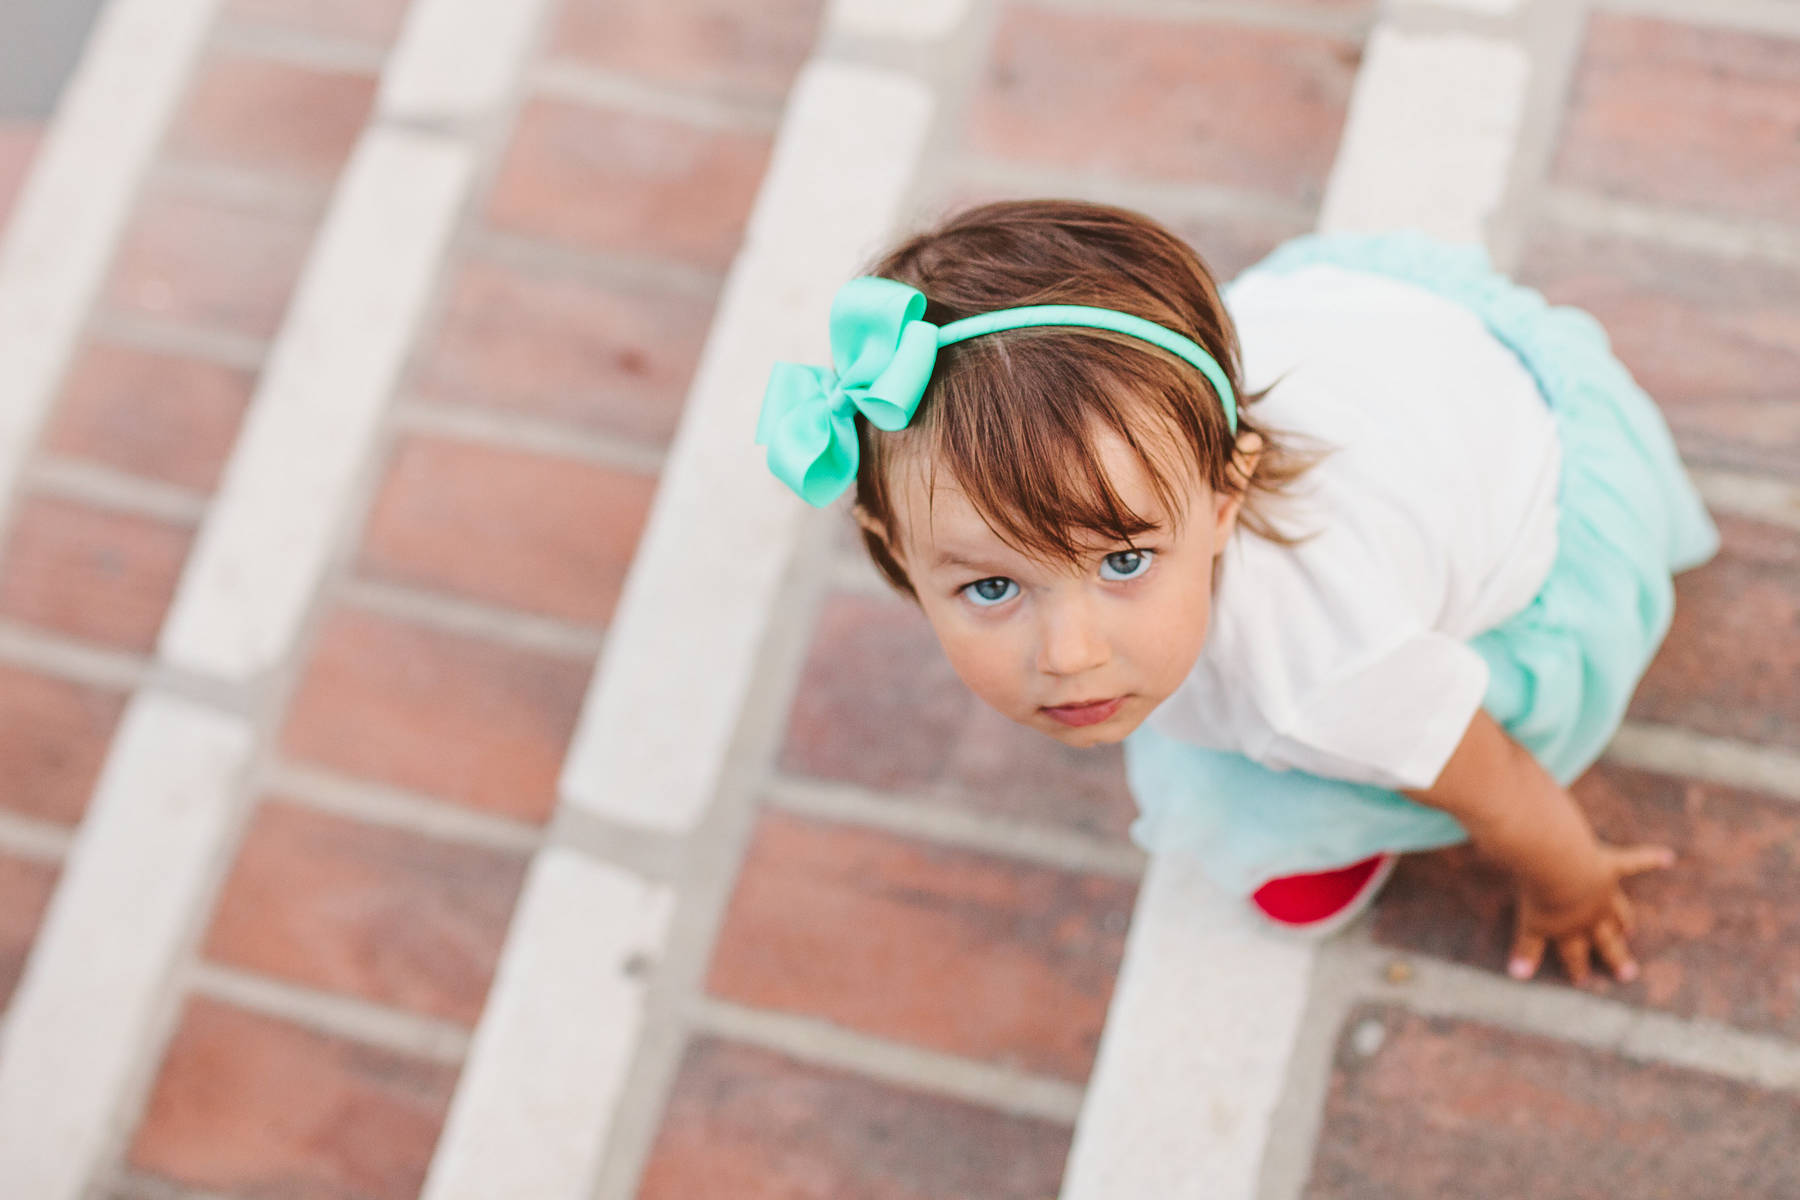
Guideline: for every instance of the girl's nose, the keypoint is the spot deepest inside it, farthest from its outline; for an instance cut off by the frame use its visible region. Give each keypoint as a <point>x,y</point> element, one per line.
<point>1071,640</point>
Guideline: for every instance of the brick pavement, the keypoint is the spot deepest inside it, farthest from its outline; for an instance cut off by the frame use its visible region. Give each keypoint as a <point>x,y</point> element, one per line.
<point>898,974</point>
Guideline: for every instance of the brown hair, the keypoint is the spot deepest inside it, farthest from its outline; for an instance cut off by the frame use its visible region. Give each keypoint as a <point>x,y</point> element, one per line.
<point>1009,415</point>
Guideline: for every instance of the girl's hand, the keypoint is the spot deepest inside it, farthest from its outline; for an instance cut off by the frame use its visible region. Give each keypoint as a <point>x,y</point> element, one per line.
<point>1593,916</point>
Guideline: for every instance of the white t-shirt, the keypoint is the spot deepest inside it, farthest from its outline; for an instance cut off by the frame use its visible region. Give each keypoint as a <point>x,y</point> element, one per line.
<point>1435,519</point>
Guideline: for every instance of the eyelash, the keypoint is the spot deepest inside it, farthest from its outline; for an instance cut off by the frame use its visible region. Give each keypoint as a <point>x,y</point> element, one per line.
<point>1144,552</point>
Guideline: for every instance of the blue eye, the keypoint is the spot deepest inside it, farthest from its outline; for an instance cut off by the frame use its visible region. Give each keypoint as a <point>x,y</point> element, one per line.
<point>987,593</point>
<point>1131,564</point>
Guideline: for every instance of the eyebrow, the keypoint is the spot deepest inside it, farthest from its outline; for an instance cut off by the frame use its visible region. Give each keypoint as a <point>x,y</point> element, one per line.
<point>947,559</point>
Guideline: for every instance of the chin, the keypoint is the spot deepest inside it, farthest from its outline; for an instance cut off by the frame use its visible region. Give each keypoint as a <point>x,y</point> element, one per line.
<point>1107,733</point>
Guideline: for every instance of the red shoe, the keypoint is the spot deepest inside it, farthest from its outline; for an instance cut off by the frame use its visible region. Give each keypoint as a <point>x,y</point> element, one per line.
<point>1323,902</point>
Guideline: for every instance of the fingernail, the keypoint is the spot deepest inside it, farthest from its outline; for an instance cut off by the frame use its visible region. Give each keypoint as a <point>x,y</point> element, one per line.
<point>1519,968</point>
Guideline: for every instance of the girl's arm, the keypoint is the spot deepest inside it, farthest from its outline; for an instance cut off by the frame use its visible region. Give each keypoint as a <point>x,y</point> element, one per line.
<point>1569,881</point>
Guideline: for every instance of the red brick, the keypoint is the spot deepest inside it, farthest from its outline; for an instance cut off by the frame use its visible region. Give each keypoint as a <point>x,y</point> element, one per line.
<point>752,1125</point>
<point>925,944</point>
<point>1710,338</point>
<point>18,146</point>
<point>264,114</point>
<point>712,45</point>
<point>1452,1108</point>
<point>1686,115</point>
<point>629,183</point>
<point>1719,933</point>
<point>526,531</point>
<point>374,21</point>
<point>879,706</point>
<point>453,716</point>
<point>53,740</point>
<point>25,890</point>
<point>1177,100</point>
<point>389,916</point>
<point>209,263</point>
<point>91,573</point>
<point>1731,663</point>
<point>154,415</point>
<point>600,357</point>
<point>256,1107</point>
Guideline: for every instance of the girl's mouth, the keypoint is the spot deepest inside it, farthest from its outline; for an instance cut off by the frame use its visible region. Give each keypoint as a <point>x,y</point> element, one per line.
<point>1086,714</point>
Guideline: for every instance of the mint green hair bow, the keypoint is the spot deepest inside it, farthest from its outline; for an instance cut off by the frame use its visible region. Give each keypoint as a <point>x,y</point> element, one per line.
<point>883,352</point>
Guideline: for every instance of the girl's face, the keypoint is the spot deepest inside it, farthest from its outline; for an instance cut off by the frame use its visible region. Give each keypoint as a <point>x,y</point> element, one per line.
<point>1122,629</point>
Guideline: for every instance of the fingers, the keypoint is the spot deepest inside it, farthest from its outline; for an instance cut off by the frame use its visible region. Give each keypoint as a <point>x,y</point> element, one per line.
<point>1634,860</point>
<point>1575,953</point>
<point>1527,954</point>
<point>1609,940</point>
<point>1624,913</point>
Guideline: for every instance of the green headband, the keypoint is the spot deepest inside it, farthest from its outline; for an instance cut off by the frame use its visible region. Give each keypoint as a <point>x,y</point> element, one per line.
<point>883,354</point>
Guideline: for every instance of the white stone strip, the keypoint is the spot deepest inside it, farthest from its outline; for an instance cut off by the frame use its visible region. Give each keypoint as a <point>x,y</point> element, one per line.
<point>459,61</point>
<point>376,804</point>
<point>28,837</point>
<point>1668,750</point>
<point>823,1044</point>
<point>1773,500</point>
<point>537,1097</point>
<point>288,487</point>
<point>131,890</point>
<point>1552,1010</point>
<point>917,20</point>
<point>83,183</point>
<point>106,487</point>
<point>64,658</point>
<point>921,818</point>
<point>338,1016</point>
<point>1196,1048</point>
<point>651,743</point>
<point>1430,136</point>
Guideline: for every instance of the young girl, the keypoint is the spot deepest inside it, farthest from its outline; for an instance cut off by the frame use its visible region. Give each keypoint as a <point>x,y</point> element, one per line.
<point>1364,555</point>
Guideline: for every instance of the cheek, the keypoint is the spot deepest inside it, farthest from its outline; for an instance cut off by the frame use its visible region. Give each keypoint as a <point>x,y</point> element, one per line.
<point>984,660</point>
<point>1175,632</point>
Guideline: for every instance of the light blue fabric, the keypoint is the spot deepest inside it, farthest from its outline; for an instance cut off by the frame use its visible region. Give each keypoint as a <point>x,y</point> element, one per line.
<point>1562,671</point>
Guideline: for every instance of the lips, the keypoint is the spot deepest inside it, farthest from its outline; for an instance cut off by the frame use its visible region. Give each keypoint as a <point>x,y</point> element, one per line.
<point>1085,714</point>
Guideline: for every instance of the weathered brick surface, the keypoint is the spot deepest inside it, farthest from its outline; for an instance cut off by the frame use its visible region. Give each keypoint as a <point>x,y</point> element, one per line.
<point>926,944</point>
<point>25,889</point>
<point>878,705</point>
<point>521,530</point>
<point>208,263</point>
<point>1184,101</point>
<point>53,740</point>
<point>1451,1108</point>
<point>1731,663</point>
<point>252,1106</point>
<point>91,573</point>
<point>155,415</point>
<point>752,1125</point>
<point>715,46</point>
<point>600,357</point>
<point>378,913</point>
<point>628,183</point>
<point>374,21</point>
<point>1716,341</point>
<point>263,114</point>
<point>1719,933</point>
<point>452,716</point>
<point>1686,115</point>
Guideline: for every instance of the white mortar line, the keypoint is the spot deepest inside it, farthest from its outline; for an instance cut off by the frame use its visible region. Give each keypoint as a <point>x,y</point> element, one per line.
<point>319,52</point>
<point>452,614</point>
<point>580,84</point>
<point>180,340</point>
<point>1726,237</point>
<point>1321,20</point>
<point>548,1061</point>
<point>1776,501</point>
<point>1206,1015</point>
<point>131,889</point>
<point>339,1016</point>
<point>1430,134</point>
<point>108,487</point>
<point>1167,200</point>
<point>376,804</point>
<point>1667,750</point>
<point>31,838</point>
<point>653,735</point>
<point>1751,16</point>
<point>84,180</point>
<point>64,658</point>
<point>921,818</point>
<point>823,1044</point>
<point>285,495</point>
<point>497,427</point>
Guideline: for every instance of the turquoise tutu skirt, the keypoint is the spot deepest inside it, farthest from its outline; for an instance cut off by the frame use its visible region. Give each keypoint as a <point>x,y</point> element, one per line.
<point>1561,671</point>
